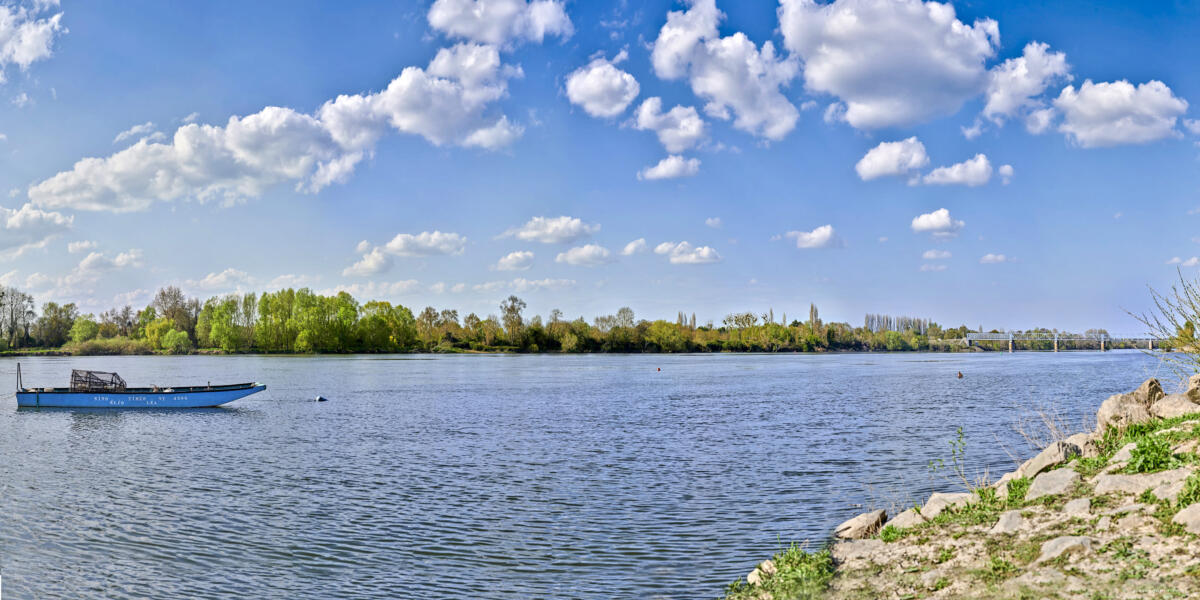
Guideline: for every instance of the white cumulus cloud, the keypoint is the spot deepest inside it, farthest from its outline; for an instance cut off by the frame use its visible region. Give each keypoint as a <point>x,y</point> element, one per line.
<point>821,237</point>
<point>971,172</point>
<point>714,222</point>
<point>935,254</point>
<point>520,260</point>
<point>601,88</point>
<point>678,129</point>
<point>1115,113</point>
<point>556,230</point>
<point>426,243</point>
<point>892,158</point>
<point>590,255</point>
<point>27,227</point>
<point>1006,173</point>
<point>373,262</point>
<point>731,73</point>
<point>671,167</point>
<point>137,131</point>
<point>79,281</point>
<point>891,62</point>
<point>939,223</point>
<point>1039,121</point>
<point>992,259</point>
<point>445,103</point>
<point>1015,85</point>
<point>683,253</point>
<point>634,247</point>
<point>77,247</point>
<point>500,22</point>
<point>26,36</point>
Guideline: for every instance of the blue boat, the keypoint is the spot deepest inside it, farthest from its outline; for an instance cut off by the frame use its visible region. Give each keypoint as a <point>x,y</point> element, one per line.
<point>97,389</point>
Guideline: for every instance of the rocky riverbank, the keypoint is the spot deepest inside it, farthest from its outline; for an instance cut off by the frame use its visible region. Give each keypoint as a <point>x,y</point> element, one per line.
<point>1112,513</point>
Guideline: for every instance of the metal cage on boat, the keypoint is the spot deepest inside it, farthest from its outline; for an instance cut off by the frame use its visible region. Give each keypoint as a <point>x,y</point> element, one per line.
<point>96,381</point>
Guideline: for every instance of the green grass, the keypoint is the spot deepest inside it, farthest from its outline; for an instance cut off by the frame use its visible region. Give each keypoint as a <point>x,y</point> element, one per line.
<point>799,575</point>
<point>1017,489</point>
<point>1151,455</point>
<point>890,534</point>
<point>1191,491</point>
<point>997,570</point>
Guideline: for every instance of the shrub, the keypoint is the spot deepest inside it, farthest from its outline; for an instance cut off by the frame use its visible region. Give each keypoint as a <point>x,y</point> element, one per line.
<point>108,346</point>
<point>84,329</point>
<point>890,534</point>
<point>176,342</point>
<point>1152,454</point>
<point>799,574</point>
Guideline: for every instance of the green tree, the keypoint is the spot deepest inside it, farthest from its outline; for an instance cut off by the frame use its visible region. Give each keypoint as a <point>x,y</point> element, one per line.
<point>386,328</point>
<point>427,325</point>
<point>510,311</point>
<point>85,328</point>
<point>667,337</point>
<point>145,317</point>
<point>224,331</point>
<point>53,328</point>
<point>176,342</point>
<point>275,327</point>
<point>157,330</point>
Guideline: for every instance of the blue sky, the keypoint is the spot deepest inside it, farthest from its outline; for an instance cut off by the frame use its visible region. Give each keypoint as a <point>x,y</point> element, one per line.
<point>810,152</point>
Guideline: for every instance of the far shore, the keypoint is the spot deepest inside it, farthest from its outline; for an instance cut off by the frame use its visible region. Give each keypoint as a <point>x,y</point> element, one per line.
<point>34,352</point>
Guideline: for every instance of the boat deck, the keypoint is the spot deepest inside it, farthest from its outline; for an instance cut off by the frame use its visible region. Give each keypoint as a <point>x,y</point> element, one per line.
<point>147,390</point>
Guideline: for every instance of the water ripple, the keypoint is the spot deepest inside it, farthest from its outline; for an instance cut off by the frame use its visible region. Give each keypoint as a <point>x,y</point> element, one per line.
<point>503,477</point>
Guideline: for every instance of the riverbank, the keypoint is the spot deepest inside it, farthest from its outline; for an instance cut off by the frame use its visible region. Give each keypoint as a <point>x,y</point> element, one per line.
<point>134,349</point>
<point>1112,513</point>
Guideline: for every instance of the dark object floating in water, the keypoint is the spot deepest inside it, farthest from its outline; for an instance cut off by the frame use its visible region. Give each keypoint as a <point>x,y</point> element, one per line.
<point>96,389</point>
<point>322,399</point>
<point>960,374</point>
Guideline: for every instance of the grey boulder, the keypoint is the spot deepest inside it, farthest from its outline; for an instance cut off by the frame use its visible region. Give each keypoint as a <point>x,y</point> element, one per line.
<point>1122,410</point>
<point>1174,405</point>
<point>1051,483</point>
<point>862,526</point>
<point>1010,522</point>
<point>1066,544</point>
<point>939,502</point>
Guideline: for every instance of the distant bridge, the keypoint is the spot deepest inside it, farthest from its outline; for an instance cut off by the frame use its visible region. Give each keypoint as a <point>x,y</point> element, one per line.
<point>1104,340</point>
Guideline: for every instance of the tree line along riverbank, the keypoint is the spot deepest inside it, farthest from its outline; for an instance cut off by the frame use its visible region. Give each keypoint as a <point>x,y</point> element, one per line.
<point>1105,514</point>
<point>301,321</point>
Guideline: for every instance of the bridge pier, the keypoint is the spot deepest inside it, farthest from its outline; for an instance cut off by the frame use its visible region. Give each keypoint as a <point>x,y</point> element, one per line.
<point>1081,342</point>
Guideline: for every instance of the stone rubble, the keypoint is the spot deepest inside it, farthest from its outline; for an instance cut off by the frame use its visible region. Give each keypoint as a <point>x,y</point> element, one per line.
<point>1071,537</point>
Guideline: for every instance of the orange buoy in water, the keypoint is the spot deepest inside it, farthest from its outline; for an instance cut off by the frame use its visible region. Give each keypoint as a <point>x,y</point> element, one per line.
<point>960,374</point>
<point>660,368</point>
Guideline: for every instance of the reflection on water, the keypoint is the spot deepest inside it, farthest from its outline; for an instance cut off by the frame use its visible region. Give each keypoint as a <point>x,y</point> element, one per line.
<point>492,476</point>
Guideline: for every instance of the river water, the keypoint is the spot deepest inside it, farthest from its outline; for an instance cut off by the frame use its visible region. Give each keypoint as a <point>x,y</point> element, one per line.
<point>505,477</point>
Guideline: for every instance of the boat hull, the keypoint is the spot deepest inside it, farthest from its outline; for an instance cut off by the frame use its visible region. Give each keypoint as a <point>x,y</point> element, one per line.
<point>192,398</point>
